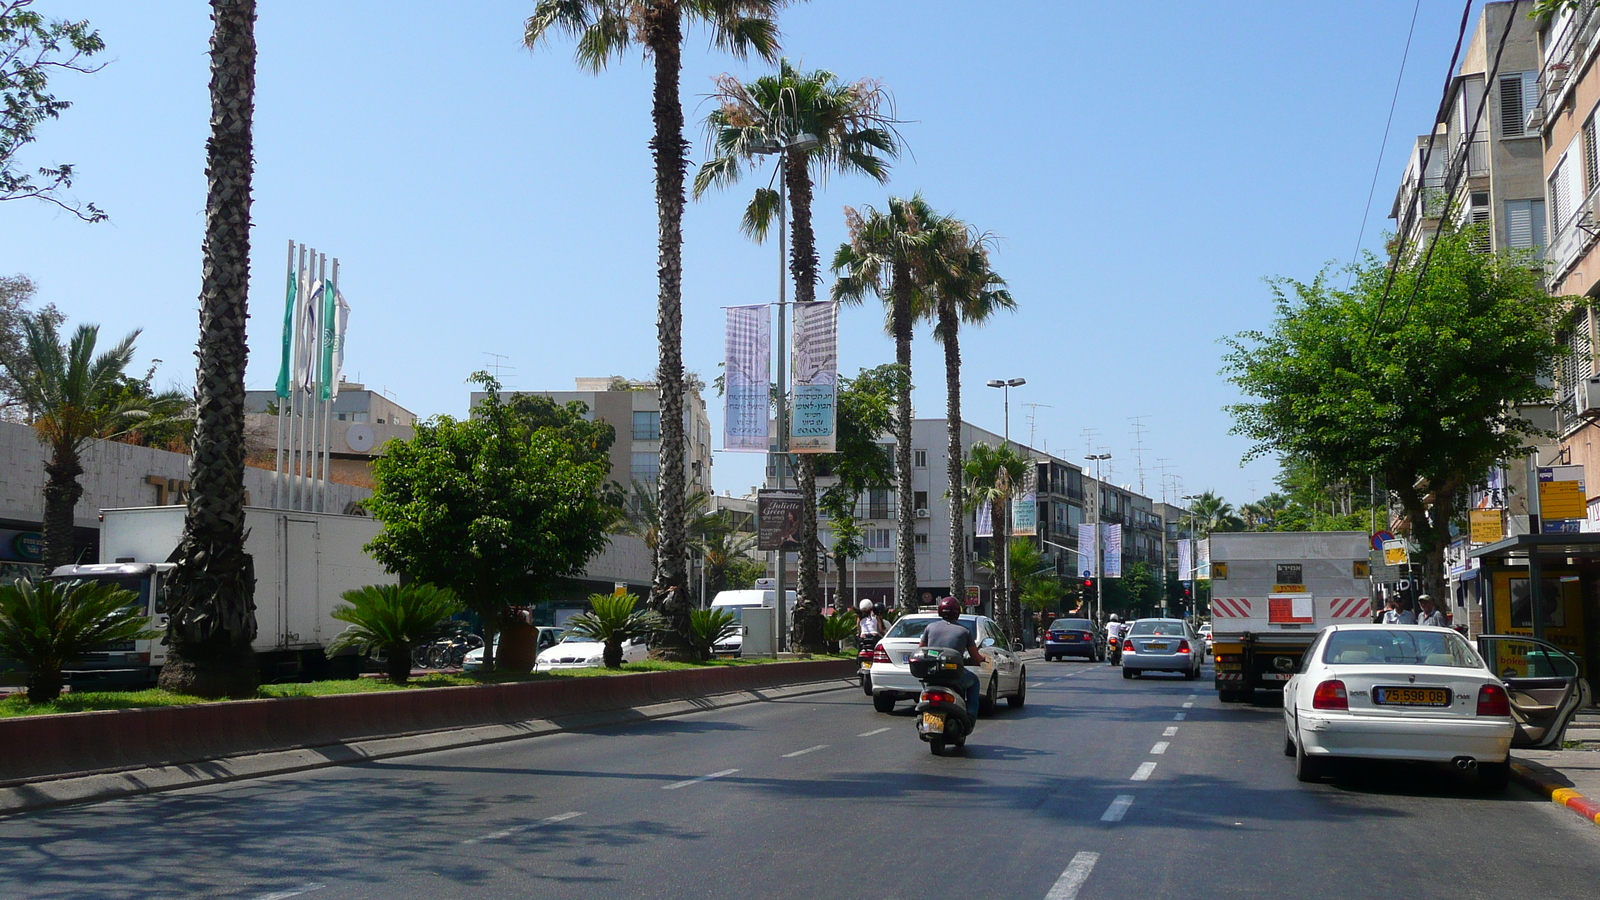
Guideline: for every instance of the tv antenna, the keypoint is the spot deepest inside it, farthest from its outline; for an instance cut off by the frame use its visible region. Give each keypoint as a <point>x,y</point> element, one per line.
<point>1139,428</point>
<point>1033,414</point>
<point>498,364</point>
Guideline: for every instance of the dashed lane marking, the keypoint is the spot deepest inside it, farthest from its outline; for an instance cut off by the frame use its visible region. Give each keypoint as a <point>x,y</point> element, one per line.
<point>1171,730</point>
<point>1143,772</point>
<point>1071,880</point>
<point>1180,717</point>
<point>679,784</point>
<point>805,751</point>
<point>515,829</point>
<point>872,732</point>
<point>1118,808</point>
<point>1159,748</point>
<point>1188,705</point>
<point>285,895</point>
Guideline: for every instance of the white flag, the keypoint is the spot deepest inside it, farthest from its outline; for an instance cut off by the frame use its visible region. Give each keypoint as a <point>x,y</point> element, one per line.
<point>1112,535</point>
<point>341,322</point>
<point>309,338</point>
<point>746,378</point>
<point>1086,547</point>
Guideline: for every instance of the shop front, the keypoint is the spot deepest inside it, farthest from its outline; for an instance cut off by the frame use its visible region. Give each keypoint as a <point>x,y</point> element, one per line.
<point>1543,586</point>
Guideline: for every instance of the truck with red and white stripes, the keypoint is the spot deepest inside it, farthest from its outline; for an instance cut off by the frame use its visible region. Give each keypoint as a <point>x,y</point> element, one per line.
<point>1271,592</point>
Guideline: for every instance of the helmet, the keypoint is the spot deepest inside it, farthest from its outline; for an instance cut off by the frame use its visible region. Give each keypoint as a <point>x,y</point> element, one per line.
<point>1115,618</point>
<point>949,609</point>
<point>865,605</point>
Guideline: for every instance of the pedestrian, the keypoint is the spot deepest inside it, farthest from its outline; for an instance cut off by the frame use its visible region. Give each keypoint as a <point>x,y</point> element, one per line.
<point>1429,615</point>
<point>1398,615</point>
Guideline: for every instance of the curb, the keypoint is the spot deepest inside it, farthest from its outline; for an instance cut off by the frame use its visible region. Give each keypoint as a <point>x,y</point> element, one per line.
<point>1542,780</point>
<point>71,790</point>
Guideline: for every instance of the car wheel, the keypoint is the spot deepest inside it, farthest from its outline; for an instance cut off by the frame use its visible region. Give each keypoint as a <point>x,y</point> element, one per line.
<point>1191,674</point>
<point>991,697</point>
<point>1288,743</point>
<point>1307,768</point>
<point>1494,777</point>
<point>1016,700</point>
<point>1127,673</point>
<point>1228,696</point>
<point>883,702</point>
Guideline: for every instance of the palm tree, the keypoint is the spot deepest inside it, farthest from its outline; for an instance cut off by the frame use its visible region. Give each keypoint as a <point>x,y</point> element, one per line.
<point>720,549</point>
<point>53,624</point>
<point>73,396</point>
<point>854,129</point>
<point>612,619</point>
<point>967,292</point>
<point>895,255</point>
<point>993,477</point>
<point>1208,513</point>
<point>605,29</point>
<point>211,605</point>
<point>393,618</point>
<point>1263,514</point>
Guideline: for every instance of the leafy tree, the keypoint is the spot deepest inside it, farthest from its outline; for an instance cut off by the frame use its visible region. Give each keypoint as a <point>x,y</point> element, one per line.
<point>494,507</point>
<point>993,477</point>
<point>49,625</point>
<point>32,50</point>
<point>864,410</point>
<point>612,619</point>
<point>1033,579</point>
<point>710,627</point>
<point>1417,383</point>
<point>742,572</point>
<point>605,30</point>
<point>720,552</point>
<point>394,618</point>
<point>15,292</point>
<point>854,128</point>
<point>840,627</point>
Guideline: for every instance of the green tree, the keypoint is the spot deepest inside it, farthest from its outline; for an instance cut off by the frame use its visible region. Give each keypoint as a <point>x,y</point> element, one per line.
<point>742,572</point>
<point>720,551</point>
<point>1140,589</point>
<point>495,507</point>
<point>864,410</point>
<point>1208,513</point>
<point>612,619</point>
<point>49,625</point>
<point>15,293</point>
<point>1034,580</point>
<point>993,477</point>
<point>32,50</point>
<point>606,30</point>
<point>710,627</point>
<point>1418,382</point>
<point>854,129</point>
<point>394,618</point>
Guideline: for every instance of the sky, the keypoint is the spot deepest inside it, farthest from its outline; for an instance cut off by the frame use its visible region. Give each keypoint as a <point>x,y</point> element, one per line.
<point>1144,173</point>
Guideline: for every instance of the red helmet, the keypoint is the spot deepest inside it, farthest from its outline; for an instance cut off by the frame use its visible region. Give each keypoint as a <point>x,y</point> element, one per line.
<point>949,608</point>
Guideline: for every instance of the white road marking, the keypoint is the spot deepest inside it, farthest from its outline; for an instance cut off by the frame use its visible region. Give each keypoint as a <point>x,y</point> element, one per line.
<point>1071,880</point>
<point>1159,748</point>
<point>1188,705</point>
<point>1118,808</point>
<point>1037,684</point>
<point>1180,717</point>
<point>872,732</point>
<point>805,751</point>
<point>1171,730</point>
<point>678,784</point>
<point>285,895</point>
<point>1194,696</point>
<point>517,829</point>
<point>1143,772</point>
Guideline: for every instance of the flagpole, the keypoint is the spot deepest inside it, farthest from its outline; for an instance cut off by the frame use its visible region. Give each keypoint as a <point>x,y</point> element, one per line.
<point>292,469</point>
<point>315,448</point>
<point>330,335</point>
<point>277,460</point>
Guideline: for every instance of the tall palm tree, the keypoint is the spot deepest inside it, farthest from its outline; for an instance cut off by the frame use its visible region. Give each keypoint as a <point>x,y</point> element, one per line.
<point>73,396</point>
<point>211,606</point>
<point>968,292</point>
<point>854,127</point>
<point>1208,513</point>
<point>993,476</point>
<point>605,30</point>
<point>894,255</point>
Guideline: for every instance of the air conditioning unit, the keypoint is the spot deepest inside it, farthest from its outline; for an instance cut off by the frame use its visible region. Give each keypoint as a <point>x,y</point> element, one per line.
<point>1589,397</point>
<point>923,514</point>
<point>972,556</point>
<point>1535,120</point>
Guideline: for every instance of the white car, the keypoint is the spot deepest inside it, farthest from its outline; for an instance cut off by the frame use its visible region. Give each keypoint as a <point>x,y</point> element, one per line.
<point>548,636</point>
<point>1002,673</point>
<point>575,652</point>
<point>1205,635</point>
<point>1162,645</point>
<point>1411,692</point>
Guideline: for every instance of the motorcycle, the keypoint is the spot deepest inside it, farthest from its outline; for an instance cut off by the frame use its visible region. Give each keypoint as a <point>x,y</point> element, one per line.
<point>942,716</point>
<point>865,647</point>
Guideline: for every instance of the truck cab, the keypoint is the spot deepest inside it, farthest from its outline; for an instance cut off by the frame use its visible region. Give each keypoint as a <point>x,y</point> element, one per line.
<point>123,663</point>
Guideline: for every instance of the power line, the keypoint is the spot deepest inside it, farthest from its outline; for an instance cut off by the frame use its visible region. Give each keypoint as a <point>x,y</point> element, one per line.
<point>1383,145</point>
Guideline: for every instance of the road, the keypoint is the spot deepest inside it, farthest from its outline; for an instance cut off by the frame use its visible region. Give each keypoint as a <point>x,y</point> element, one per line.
<point>1099,788</point>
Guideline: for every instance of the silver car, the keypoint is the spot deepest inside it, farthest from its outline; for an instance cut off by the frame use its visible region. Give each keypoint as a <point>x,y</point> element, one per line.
<point>1002,673</point>
<point>1162,645</point>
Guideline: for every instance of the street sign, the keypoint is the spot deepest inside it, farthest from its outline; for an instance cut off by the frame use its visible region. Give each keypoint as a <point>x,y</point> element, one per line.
<point>1394,552</point>
<point>1487,526</point>
<point>1379,538</point>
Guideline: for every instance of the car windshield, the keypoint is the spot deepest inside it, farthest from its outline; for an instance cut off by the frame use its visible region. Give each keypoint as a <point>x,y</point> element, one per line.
<point>578,639</point>
<point>1372,646</point>
<point>913,628</point>
<point>1071,625</point>
<point>1157,628</point>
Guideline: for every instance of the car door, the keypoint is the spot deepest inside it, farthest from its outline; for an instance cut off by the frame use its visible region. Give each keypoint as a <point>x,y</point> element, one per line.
<point>1544,683</point>
<point>993,644</point>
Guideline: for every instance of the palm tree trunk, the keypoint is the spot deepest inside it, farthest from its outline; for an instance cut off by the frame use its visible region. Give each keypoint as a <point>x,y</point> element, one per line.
<point>669,594</point>
<point>906,550</point>
<point>806,633</point>
<point>211,604</point>
<point>948,335</point>
<point>61,493</point>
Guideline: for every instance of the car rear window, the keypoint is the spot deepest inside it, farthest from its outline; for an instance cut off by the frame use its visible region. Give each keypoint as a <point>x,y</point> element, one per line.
<point>1371,646</point>
<point>913,628</point>
<point>1071,625</point>
<point>1157,628</point>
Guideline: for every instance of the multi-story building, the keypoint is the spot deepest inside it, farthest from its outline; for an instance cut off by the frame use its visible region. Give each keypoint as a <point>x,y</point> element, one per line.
<point>362,421</point>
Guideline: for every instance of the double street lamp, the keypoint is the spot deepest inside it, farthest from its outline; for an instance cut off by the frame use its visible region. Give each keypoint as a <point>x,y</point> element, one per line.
<point>1007,384</point>
<point>1094,556</point>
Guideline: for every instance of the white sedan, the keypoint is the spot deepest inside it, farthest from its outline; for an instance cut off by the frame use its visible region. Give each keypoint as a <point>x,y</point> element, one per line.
<point>576,652</point>
<point>1410,692</point>
<point>1002,673</point>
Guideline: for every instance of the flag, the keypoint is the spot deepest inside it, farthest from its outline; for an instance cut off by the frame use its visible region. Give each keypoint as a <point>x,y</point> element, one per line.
<point>309,338</point>
<point>746,378</point>
<point>288,338</point>
<point>983,521</point>
<point>329,334</point>
<point>816,377</point>
<point>342,318</point>
<point>1111,533</point>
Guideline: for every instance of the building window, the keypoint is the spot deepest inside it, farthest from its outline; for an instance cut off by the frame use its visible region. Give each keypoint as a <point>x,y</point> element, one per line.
<point>341,417</point>
<point>646,425</point>
<point>878,506</point>
<point>1519,92</point>
<point>921,498</point>
<point>646,466</point>
<point>358,417</point>
<point>922,542</point>
<point>1591,166</point>
<point>877,538</point>
<point>1478,214</point>
<point>919,458</point>
<point>1525,228</point>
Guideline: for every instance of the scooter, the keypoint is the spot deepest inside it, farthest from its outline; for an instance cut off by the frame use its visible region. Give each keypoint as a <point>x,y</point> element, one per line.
<point>866,646</point>
<point>942,716</point>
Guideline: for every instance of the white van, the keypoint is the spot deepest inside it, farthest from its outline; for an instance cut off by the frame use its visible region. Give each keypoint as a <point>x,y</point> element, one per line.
<point>736,602</point>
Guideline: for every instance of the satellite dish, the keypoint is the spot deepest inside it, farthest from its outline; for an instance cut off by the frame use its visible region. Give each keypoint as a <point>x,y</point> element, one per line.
<point>360,437</point>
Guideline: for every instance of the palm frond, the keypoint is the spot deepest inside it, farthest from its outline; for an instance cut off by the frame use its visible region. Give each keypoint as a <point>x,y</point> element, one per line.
<point>760,214</point>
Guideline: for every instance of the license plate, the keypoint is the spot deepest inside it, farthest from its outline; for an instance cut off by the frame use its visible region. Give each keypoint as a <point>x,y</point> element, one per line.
<point>1068,637</point>
<point>1410,696</point>
<point>1152,645</point>
<point>866,667</point>
<point>933,723</point>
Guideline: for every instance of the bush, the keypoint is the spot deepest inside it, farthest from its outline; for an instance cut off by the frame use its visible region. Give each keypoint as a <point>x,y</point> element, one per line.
<point>710,627</point>
<point>48,625</point>
<point>838,628</point>
<point>613,619</point>
<point>393,618</point>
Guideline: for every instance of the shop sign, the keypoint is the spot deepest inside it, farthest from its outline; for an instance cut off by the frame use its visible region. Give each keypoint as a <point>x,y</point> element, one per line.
<point>1488,526</point>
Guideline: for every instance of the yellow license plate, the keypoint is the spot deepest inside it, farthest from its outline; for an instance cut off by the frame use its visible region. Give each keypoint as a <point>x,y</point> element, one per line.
<point>1155,646</point>
<point>933,722</point>
<point>1409,696</point>
<point>866,666</point>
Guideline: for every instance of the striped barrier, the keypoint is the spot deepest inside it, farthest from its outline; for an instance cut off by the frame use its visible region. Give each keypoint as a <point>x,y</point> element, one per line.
<point>1541,783</point>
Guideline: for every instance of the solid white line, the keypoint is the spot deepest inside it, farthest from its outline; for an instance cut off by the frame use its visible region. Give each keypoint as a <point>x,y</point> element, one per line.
<point>1143,772</point>
<point>285,895</point>
<point>678,784</point>
<point>1071,880</point>
<point>872,732</point>
<point>1171,730</point>
<point>1118,808</point>
<point>805,751</point>
<point>1188,705</point>
<point>517,829</point>
<point>1159,748</point>
<point>1179,717</point>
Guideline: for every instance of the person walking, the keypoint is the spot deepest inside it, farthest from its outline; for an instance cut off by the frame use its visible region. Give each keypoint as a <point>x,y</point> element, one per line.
<point>1429,615</point>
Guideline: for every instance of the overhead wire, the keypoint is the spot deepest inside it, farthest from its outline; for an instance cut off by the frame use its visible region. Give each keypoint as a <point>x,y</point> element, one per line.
<point>1383,145</point>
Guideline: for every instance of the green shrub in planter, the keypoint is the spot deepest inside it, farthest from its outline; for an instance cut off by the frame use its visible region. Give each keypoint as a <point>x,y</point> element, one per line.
<point>48,625</point>
<point>394,618</point>
<point>838,628</point>
<point>710,627</point>
<point>612,619</point>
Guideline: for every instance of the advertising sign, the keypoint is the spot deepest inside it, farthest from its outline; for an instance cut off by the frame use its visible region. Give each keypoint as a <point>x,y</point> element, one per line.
<point>816,377</point>
<point>1025,514</point>
<point>1562,499</point>
<point>778,519</point>
<point>972,595</point>
<point>1112,535</point>
<point>1487,526</point>
<point>746,379</point>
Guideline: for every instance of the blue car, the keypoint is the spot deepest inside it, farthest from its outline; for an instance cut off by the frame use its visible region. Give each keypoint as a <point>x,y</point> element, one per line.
<point>1074,637</point>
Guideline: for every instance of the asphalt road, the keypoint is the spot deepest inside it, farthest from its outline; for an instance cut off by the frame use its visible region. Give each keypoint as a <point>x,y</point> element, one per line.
<point>1098,788</point>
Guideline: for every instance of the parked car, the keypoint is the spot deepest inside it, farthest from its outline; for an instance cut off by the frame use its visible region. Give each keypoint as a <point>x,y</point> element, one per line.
<point>549,636</point>
<point>576,652</point>
<point>1412,692</point>
<point>1162,645</point>
<point>1074,637</point>
<point>1002,674</point>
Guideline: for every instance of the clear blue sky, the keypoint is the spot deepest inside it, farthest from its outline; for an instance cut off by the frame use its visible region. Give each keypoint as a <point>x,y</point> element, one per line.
<point>1146,167</point>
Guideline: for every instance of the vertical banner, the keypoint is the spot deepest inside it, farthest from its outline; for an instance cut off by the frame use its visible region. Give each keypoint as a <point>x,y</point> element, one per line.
<point>1185,559</point>
<point>1112,535</point>
<point>983,521</point>
<point>1025,514</point>
<point>747,378</point>
<point>778,519</point>
<point>816,377</point>
<point>1086,547</point>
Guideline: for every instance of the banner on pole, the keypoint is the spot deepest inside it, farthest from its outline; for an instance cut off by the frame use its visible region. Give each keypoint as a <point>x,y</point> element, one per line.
<point>1025,514</point>
<point>746,378</point>
<point>816,377</point>
<point>778,519</point>
<point>1185,558</point>
<point>983,521</point>
<point>1086,547</point>
<point>1112,535</point>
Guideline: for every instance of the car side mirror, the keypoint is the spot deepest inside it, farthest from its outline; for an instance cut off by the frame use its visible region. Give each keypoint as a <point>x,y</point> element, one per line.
<point>988,642</point>
<point>1016,646</point>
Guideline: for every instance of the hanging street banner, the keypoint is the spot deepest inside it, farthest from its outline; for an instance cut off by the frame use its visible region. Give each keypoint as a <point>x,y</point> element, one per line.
<point>1086,546</point>
<point>816,377</point>
<point>1112,535</point>
<point>1185,558</point>
<point>778,519</point>
<point>1025,514</point>
<point>747,379</point>
<point>983,521</point>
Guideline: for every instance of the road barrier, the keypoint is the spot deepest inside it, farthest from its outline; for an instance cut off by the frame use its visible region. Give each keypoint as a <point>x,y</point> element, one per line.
<point>80,743</point>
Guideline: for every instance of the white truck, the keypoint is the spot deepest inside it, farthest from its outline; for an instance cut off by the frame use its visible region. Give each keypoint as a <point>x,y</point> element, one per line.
<point>303,563</point>
<point>738,602</point>
<point>1271,592</point>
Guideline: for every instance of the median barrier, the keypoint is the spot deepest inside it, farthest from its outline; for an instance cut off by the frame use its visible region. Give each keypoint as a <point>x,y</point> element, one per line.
<point>35,747</point>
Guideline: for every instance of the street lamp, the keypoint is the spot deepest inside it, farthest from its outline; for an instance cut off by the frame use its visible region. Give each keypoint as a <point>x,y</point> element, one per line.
<point>1007,385</point>
<point>1099,490</point>
<point>801,142</point>
<point>1194,554</point>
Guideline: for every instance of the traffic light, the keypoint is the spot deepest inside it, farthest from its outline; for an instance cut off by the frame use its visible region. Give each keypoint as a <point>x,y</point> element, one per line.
<point>1090,593</point>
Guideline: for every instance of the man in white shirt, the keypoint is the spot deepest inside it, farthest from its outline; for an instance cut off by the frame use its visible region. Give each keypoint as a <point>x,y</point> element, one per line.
<point>1397,615</point>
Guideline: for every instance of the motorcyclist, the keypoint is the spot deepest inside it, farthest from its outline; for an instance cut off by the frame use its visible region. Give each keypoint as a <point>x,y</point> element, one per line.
<point>870,627</point>
<point>950,633</point>
<point>1114,629</point>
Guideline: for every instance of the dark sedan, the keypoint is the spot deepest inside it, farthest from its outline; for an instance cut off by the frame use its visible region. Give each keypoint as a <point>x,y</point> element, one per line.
<point>1074,637</point>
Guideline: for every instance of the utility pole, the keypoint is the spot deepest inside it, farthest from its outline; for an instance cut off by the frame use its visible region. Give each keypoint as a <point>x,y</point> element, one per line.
<point>1099,488</point>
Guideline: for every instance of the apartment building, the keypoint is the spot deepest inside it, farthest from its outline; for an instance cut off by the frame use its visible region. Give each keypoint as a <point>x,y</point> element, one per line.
<point>361,422</point>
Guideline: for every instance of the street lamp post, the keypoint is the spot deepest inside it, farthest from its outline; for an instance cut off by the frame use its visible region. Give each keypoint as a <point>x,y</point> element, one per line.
<point>1099,496</point>
<point>1194,556</point>
<point>1006,384</point>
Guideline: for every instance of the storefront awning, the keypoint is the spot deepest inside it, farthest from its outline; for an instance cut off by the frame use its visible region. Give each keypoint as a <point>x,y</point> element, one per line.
<point>1522,546</point>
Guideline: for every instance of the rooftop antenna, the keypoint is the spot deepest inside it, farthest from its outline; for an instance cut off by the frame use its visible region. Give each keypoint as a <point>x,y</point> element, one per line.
<point>1033,414</point>
<point>1162,467</point>
<point>1139,428</point>
<point>499,363</point>
<point>1088,440</point>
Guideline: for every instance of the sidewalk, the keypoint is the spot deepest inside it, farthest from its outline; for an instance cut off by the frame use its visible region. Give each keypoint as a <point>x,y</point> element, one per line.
<point>1570,778</point>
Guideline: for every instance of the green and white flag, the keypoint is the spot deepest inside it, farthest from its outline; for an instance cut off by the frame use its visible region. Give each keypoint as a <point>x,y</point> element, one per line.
<point>288,337</point>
